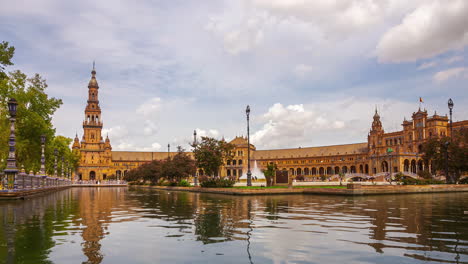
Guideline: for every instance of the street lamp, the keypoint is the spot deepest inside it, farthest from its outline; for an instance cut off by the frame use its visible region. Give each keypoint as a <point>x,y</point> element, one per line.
<point>195,177</point>
<point>389,154</point>
<point>11,170</point>
<point>168,151</point>
<point>42,172</point>
<point>447,178</point>
<point>55,166</point>
<point>249,173</point>
<point>450,106</point>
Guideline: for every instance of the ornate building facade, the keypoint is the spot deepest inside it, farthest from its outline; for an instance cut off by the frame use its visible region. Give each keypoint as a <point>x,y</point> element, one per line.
<point>383,153</point>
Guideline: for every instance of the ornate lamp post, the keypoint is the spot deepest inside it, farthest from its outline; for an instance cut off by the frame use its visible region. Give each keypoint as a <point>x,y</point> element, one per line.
<point>67,176</point>
<point>195,177</point>
<point>42,172</point>
<point>447,178</point>
<point>389,154</point>
<point>249,173</point>
<point>11,170</point>
<point>55,166</point>
<point>450,106</point>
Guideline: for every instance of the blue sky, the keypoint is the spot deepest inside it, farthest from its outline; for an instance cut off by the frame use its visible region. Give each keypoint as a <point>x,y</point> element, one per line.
<point>312,71</point>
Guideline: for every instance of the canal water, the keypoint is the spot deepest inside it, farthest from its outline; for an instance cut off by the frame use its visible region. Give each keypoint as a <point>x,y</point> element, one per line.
<point>120,225</point>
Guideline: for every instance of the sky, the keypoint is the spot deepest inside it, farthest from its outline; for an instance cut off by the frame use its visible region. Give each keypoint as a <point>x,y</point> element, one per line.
<point>312,71</point>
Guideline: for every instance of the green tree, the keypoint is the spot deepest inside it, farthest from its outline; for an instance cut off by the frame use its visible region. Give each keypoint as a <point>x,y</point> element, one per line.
<point>34,118</point>
<point>179,167</point>
<point>270,173</point>
<point>6,54</point>
<point>436,150</point>
<point>210,154</point>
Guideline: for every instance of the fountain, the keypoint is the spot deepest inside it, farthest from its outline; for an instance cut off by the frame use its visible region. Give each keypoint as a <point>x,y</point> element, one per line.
<point>257,174</point>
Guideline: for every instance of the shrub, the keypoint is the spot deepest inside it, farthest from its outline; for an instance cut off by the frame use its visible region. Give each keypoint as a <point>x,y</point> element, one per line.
<point>163,182</point>
<point>411,181</point>
<point>183,183</point>
<point>216,182</point>
<point>323,177</point>
<point>463,181</point>
<point>399,176</point>
<point>300,178</point>
<point>425,174</point>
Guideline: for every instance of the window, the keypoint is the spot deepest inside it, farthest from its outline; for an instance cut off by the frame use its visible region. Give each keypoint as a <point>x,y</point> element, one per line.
<point>234,162</point>
<point>240,162</point>
<point>228,162</point>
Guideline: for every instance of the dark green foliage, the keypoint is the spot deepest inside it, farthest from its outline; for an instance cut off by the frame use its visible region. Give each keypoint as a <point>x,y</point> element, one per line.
<point>183,183</point>
<point>412,181</point>
<point>34,118</point>
<point>436,150</point>
<point>209,182</point>
<point>270,173</point>
<point>210,154</point>
<point>164,172</point>
<point>463,181</point>
<point>6,54</point>
<point>425,174</point>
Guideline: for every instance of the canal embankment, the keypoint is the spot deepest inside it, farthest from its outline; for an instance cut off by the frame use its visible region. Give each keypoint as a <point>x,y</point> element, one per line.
<point>349,190</point>
<point>21,194</point>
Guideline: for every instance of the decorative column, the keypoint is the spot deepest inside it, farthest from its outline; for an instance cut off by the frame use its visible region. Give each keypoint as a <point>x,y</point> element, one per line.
<point>62,172</point>
<point>42,172</point>
<point>55,168</point>
<point>67,176</point>
<point>11,170</point>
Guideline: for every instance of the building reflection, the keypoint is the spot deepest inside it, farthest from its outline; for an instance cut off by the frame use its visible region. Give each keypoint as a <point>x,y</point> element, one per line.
<point>414,224</point>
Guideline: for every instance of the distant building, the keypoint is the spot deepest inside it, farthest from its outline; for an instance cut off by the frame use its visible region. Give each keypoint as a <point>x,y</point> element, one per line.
<point>381,154</point>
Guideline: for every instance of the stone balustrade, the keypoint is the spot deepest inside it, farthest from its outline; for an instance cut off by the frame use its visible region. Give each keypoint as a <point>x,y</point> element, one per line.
<point>31,181</point>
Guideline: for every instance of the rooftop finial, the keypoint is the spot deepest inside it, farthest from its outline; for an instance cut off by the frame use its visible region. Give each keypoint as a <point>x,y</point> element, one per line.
<point>94,64</point>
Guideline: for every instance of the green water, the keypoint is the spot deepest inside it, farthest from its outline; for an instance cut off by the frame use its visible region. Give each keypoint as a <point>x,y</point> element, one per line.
<point>119,225</point>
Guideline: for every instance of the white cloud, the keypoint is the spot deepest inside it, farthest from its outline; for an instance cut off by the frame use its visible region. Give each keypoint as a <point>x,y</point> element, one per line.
<point>335,18</point>
<point>150,128</point>
<point>154,147</point>
<point>450,73</point>
<point>427,65</point>
<point>207,133</point>
<point>150,107</point>
<point>433,28</point>
<point>290,124</point>
<point>453,59</point>
<point>302,70</point>
<point>116,132</point>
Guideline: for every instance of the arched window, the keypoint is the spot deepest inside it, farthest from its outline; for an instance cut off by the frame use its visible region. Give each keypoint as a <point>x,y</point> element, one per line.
<point>234,162</point>
<point>228,162</point>
<point>240,162</point>
<point>228,173</point>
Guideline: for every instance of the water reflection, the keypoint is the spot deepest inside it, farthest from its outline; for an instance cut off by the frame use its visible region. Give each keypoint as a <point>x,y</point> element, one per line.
<point>116,225</point>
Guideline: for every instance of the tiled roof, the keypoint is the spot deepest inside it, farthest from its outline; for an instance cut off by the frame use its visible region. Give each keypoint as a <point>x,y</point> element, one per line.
<point>358,148</point>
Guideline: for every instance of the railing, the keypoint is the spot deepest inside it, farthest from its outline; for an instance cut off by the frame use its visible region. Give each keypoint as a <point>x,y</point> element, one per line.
<point>27,182</point>
<point>103,182</point>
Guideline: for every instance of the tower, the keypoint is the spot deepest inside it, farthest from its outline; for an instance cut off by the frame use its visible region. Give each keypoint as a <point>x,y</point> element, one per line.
<point>95,154</point>
<point>374,138</point>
